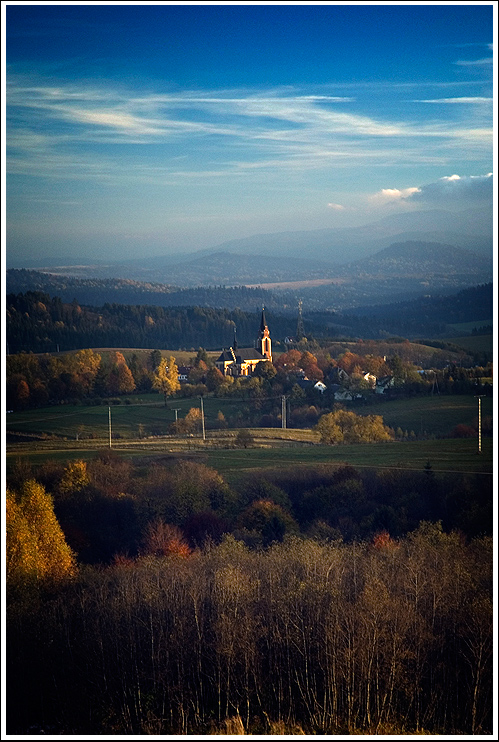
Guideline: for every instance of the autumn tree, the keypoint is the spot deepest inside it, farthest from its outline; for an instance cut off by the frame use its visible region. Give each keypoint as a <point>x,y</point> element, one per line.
<point>120,379</point>
<point>36,547</point>
<point>193,420</point>
<point>75,477</point>
<point>154,359</point>
<point>163,539</point>
<point>344,426</point>
<point>166,378</point>
<point>214,379</point>
<point>87,364</point>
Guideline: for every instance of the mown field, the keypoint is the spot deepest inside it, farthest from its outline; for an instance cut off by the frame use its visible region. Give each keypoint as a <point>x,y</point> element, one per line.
<point>146,415</point>
<point>182,357</point>
<point>444,455</point>
<point>67,430</point>
<point>432,415</point>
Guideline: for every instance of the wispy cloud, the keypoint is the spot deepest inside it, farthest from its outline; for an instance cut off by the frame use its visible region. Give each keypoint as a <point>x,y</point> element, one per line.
<point>463,99</point>
<point>485,62</point>
<point>60,131</point>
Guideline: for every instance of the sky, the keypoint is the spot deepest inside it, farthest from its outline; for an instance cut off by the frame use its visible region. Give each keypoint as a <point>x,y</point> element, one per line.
<point>150,129</point>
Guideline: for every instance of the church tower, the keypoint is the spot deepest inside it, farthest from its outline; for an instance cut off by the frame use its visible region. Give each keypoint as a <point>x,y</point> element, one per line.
<point>264,343</point>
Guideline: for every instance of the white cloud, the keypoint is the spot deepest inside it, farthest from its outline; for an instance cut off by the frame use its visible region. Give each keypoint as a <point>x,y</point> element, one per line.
<point>389,195</point>
<point>336,207</point>
<point>446,191</point>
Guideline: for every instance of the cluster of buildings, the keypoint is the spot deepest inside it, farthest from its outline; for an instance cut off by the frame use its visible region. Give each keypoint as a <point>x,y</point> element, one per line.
<point>237,362</point>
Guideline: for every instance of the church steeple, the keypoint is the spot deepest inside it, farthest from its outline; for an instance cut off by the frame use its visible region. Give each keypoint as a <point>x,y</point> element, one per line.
<point>234,344</point>
<point>263,322</point>
<point>264,343</point>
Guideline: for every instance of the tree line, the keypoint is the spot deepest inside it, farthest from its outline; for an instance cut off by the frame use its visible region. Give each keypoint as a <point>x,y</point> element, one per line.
<point>39,323</point>
<point>387,637</point>
<point>38,380</point>
<point>106,506</point>
<point>158,599</point>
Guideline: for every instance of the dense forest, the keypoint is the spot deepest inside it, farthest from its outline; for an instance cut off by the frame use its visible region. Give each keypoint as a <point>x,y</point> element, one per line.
<point>36,322</point>
<point>421,316</point>
<point>320,601</point>
<point>99,291</point>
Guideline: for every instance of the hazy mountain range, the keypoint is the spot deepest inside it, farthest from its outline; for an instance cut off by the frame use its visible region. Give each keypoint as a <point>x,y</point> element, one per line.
<point>396,258</point>
<point>470,230</point>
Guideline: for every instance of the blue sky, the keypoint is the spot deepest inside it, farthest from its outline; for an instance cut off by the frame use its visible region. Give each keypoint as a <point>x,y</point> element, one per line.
<point>149,129</point>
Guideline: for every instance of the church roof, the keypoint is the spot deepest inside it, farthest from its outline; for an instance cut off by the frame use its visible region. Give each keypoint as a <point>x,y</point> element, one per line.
<point>249,354</point>
<point>226,355</point>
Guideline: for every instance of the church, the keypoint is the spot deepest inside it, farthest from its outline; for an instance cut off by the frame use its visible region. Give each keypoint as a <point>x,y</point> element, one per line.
<point>243,361</point>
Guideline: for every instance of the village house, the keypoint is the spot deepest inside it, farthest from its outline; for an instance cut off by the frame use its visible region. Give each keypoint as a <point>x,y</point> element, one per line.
<point>183,373</point>
<point>384,383</point>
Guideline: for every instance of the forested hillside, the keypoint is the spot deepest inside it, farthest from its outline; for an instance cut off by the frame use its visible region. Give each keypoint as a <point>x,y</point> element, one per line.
<point>425,316</point>
<point>40,323</point>
<point>99,291</point>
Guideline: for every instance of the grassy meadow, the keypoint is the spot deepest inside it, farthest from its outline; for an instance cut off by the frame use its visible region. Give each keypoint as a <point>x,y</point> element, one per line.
<point>146,415</point>
<point>433,415</point>
<point>474,343</point>
<point>71,432</point>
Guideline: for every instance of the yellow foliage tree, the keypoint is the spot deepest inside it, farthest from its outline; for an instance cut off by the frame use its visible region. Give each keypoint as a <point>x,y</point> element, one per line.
<point>75,477</point>
<point>344,426</point>
<point>36,547</point>
<point>166,377</point>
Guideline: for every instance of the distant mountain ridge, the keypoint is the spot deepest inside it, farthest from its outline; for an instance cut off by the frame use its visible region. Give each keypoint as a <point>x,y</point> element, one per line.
<point>401,270</point>
<point>223,268</point>
<point>422,258</point>
<point>470,229</point>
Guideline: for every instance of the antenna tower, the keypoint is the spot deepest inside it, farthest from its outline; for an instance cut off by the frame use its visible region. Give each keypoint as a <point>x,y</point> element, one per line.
<point>300,331</point>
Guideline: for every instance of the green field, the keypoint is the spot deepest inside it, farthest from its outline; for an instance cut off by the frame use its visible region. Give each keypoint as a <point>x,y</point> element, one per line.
<point>71,432</point>
<point>445,455</point>
<point>433,415</point>
<point>473,343</point>
<point>148,410</point>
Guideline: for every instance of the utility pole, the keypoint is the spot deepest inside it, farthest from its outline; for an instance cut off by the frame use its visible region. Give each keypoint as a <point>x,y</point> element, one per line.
<point>479,397</point>
<point>109,413</point>
<point>176,410</point>
<point>283,411</point>
<point>202,419</point>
